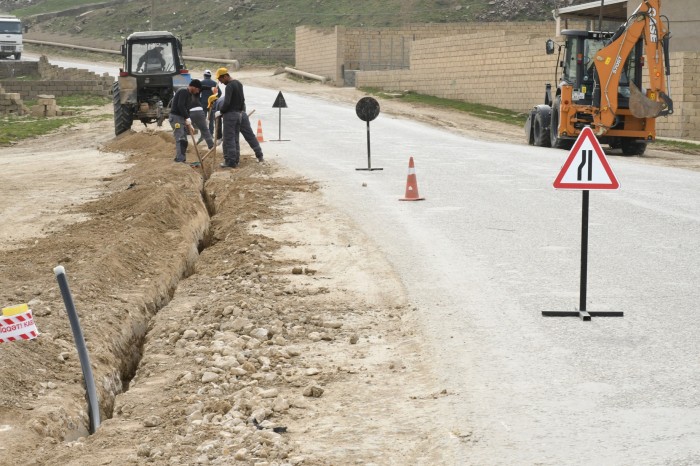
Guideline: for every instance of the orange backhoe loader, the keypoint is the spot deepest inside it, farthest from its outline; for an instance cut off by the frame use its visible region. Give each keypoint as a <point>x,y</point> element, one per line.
<point>600,82</point>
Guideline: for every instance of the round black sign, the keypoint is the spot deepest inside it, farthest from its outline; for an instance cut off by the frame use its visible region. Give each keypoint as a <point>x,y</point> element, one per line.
<point>367,108</point>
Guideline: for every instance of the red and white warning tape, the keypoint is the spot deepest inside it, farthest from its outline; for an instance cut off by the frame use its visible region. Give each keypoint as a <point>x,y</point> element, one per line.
<point>18,327</point>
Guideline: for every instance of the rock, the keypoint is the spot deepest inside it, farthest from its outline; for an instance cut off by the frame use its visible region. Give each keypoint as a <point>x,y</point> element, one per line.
<point>271,393</point>
<point>190,334</point>
<point>313,391</point>
<point>280,405</point>
<point>297,271</point>
<point>354,339</point>
<point>208,377</point>
<point>332,324</point>
<point>241,455</point>
<point>152,421</point>
<point>315,336</point>
<point>261,334</point>
<point>312,371</point>
<point>143,451</point>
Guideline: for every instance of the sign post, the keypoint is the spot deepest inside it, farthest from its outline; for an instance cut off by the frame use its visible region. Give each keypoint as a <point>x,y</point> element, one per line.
<point>280,103</point>
<point>591,172</point>
<point>367,109</point>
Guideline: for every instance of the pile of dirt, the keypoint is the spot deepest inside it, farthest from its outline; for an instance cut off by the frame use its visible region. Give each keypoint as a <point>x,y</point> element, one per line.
<point>228,322</point>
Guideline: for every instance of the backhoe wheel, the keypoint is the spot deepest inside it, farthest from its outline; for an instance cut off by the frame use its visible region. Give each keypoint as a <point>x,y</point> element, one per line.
<point>122,114</point>
<point>633,147</point>
<point>540,129</point>
<point>554,139</point>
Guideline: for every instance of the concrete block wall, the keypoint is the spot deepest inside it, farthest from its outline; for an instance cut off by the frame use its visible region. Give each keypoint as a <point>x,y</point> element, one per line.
<point>319,51</point>
<point>31,89</point>
<point>15,69</point>
<point>383,44</point>
<point>491,67</point>
<point>54,80</point>
<point>47,71</point>
<point>685,92</point>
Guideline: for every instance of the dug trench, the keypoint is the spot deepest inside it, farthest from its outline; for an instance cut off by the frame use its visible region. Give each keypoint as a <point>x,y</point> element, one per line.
<point>237,321</point>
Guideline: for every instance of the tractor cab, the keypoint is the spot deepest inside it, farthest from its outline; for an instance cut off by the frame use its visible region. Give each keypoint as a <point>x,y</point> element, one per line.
<point>578,67</point>
<point>154,52</point>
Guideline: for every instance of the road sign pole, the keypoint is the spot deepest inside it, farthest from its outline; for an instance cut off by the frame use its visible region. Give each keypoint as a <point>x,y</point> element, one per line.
<point>584,252</point>
<point>369,159</point>
<point>367,110</point>
<point>586,168</point>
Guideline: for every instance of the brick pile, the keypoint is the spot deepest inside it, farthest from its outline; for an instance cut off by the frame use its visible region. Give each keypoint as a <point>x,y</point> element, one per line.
<point>11,103</point>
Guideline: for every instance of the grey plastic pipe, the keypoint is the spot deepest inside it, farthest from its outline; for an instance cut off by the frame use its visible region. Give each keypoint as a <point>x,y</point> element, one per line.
<point>93,402</point>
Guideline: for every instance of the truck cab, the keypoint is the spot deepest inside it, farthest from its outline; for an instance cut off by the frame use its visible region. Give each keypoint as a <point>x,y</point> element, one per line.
<point>10,37</point>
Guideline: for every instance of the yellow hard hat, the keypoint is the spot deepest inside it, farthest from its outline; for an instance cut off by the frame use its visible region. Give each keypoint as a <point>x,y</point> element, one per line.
<point>220,72</point>
<point>211,100</point>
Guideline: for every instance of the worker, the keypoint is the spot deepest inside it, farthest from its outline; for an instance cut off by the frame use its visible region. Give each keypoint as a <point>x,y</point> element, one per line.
<point>212,107</point>
<point>244,126</point>
<point>180,121</point>
<point>198,115</point>
<point>230,107</point>
<point>152,60</point>
<point>209,86</point>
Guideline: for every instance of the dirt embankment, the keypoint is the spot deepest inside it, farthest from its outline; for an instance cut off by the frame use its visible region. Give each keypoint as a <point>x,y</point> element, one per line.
<point>233,322</point>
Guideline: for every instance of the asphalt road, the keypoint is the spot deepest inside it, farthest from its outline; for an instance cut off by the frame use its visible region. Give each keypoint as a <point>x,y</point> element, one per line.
<point>491,247</point>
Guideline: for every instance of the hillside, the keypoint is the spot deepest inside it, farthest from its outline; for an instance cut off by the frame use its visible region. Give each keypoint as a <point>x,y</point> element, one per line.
<point>262,23</point>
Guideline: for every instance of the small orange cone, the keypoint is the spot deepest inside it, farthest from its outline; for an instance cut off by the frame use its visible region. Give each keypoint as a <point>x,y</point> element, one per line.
<point>260,135</point>
<point>411,184</point>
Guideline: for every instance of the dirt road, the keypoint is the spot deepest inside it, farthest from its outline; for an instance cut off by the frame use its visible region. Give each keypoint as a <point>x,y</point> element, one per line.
<point>237,321</point>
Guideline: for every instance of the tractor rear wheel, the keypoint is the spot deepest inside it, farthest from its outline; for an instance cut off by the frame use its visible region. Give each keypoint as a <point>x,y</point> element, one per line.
<point>122,115</point>
<point>633,146</point>
<point>554,139</point>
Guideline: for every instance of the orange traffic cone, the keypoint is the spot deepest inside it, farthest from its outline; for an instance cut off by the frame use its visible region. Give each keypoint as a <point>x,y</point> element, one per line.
<point>411,184</point>
<point>260,135</point>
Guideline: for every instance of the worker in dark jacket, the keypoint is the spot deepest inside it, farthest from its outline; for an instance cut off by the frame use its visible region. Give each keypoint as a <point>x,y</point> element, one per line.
<point>230,111</point>
<point>234,100</point>
<point>179,118</point>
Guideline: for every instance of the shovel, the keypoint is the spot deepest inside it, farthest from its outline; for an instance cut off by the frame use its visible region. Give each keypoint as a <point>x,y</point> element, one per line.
<point>196,151</point>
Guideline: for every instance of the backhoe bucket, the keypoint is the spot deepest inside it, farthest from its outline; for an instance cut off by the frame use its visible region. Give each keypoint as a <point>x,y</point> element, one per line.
<point>643,107</point>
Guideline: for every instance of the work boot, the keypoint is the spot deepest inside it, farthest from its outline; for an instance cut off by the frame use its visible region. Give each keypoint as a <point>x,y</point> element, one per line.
<point>228,165</point>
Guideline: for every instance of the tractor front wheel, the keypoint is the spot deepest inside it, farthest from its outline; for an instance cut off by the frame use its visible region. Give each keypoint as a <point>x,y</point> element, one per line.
<point>540,129</point>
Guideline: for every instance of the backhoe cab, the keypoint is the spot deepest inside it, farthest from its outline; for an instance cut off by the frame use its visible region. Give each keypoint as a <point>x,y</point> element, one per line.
<point>600,77</point>
<point>152,72</point>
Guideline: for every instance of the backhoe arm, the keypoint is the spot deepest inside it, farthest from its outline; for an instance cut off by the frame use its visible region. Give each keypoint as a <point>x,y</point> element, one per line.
<point>610,60</point>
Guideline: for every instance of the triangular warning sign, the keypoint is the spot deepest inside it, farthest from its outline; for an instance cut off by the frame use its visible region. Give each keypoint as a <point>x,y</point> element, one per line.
<point>279,101</point>
<point>586,167</point>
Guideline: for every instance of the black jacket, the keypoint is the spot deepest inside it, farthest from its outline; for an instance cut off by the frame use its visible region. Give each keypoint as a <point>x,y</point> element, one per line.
<point>182,102</point>
<point>234,101</point>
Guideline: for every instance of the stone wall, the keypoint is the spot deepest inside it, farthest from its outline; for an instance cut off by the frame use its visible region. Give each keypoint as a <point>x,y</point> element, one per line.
<point>16,69</point>
<point>54,80</point>
<point>320,51</point>
<point>685,92</point>
<point>492,67</point>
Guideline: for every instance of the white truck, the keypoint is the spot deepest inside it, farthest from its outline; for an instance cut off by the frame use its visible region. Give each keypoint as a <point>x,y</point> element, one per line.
<point>10,37</point>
